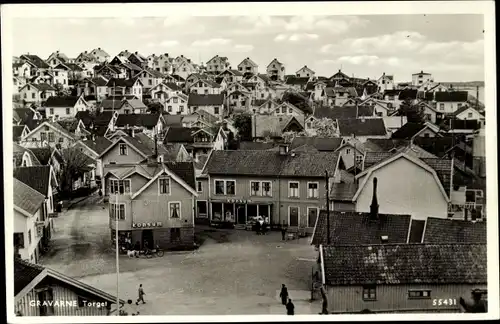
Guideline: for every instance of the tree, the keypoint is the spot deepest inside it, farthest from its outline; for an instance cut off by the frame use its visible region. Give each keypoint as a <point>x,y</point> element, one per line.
<point>61,91</point>
<point>243,123</point>
<point>412,112</point>
<point>325,127</point>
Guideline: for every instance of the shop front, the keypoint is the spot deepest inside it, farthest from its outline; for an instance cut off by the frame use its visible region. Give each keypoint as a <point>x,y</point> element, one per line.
<point>240,211</point>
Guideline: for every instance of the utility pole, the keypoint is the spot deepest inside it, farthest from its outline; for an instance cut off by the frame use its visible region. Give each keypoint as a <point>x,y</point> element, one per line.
<point>477,98</point>
<point>327,208</point>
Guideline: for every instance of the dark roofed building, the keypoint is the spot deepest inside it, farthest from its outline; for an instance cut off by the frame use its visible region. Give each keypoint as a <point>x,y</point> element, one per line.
<point>37,177</point>
<point>114,82</point>
<point>322,144</point>
<point>353,228</point>
<point>98,144</point>
<point>362,127</point>
<point>408,94</point>
<point>36,61</point>
<point>140,120</point>
<point>256,146</point>
<point>185,170</point>
<point>179,135</point>
<point>64,101</point>
<point>24,274</point>
<point>205,99</point>
<point>439,231</point>
<point>408,130</point>
<point>451,96</point>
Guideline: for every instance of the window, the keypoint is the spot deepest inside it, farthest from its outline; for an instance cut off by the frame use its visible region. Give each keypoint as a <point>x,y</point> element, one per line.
<point>175,100</point>
<point>308,125</point>
<point>216,110</point>
<point>174,209</point>
<point>219,187</point>
<point>255,188</point>
<point>199,186</point>
<point>19,240</point>
<point>67,111</point>
<point>266,189</point>
<point>181,108</point>
<point>43,136</point>
<point>51,137</point>
<point>230,187</point>
<point>312,190</point>
<point>359,158</point>
<point>29,237</point>
<point>283,110</point>
<point>117,210</point>
<point>290,110</point>
<point>459,105</point>
<point>293,190</point>
<point>262,95</point>
<point>123,149</point>
<point>150,82</point>
<point>119,186</point>
<point>389,105</point>
<point>169,109</point>
<point>369,292</point>
<point>32,96</point>
<point>51,111</point>
<point>419,294</point>
<point>348,151</point>
<point>312,215</point>
<point>441,106</point>
<point>61,140</point>
<point>469,115</point>
<point>164,184</point>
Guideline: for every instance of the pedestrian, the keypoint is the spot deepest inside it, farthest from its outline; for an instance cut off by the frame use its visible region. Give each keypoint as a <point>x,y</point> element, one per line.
<point>284,294</point>
<point>257,228</point>
<point>290,308</point>
<point>141,295</point>
<point>261,222</point>
<point>283,232</point>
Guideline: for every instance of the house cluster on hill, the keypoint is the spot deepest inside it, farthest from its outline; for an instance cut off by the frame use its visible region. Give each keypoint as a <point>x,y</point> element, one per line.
<point>172,144</point>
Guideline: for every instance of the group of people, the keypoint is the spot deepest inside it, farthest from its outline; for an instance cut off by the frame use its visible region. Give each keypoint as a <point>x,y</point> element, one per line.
<point>262,226</point>
<point>129,310</point>
<point>286,300</point>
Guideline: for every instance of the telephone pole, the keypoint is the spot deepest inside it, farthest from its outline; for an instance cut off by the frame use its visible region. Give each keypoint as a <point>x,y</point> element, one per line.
<point>327,208</point>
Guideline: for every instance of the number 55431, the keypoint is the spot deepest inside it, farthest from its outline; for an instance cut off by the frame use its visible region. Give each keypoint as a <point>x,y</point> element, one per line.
<point>444,302</point>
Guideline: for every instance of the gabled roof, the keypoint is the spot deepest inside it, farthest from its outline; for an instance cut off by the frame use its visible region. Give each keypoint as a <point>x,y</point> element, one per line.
<point>172,86</point>
<point>463,109</point>
<point>451,96</point>
<point>340,74</point>
<point>36,61</point>
<point>140,142</point>
<point>362,127</point>
<point>17,131</point>
<point>293,80</point>
<point>144,120</point>
<point>399,264</point>
<point>322,144</point>
<point>343,191</point>
<point>173,120</point>
<point>205,99</point>
<point>55,126</point>
<point>385,144</point>
<point>274,125</point>
<point>256,146</point>
<point>353,228</point>
<point>466,124</point>
<point>135,103</point>
<point>274,61</point>
<point>407,94</point>
<point>122,82</point>
<point>179,135</point>
<point>37,177</point>
<point>66,101</point>
<point>27,276</point>
<point>439,231</point>
<point>40,86</point>
<point>26,199</point>
<point>98,144</point>
<point>249,61</point>
<point>408,130</point>
<point>271,163</point>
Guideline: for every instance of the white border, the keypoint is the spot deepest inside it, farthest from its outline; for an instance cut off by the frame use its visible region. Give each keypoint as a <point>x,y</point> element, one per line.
<point>312,8</point>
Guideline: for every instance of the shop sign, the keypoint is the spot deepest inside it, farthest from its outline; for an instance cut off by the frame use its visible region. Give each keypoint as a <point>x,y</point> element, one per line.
<point>239,201</point>
<point>147,224</point>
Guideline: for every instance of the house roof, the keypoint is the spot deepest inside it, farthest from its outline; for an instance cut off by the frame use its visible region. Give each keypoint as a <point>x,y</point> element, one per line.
<point>173,120</point>
<point>121,82</point>
<point>255,146</point>
<point>98,144</point>
<point>464,108</point>
<point>408,130</point>
<point>353,228</point>
<point>179,135</point>
<point>17,131</point>
<point>408,94</point>
<point>43,155</point>
<point>24,273</point>
<point>405,264</point>
<point>292,80</point>
<point>362,127</point>
<point>135,103</point>
<point>36,60</point>
<point>384,144</point>
<point>343,191</point>
<point>172,86</point>
<point>18,152</point>
<point>451,96</point>
<point>37,177</point>
<point>205,100</point>
<point>69,125</point>
<point>271,163</point>
<point>439,230</point>
<point>27,198</point>
<point>324,144</point>
<point>42,86</point>
<point>271,125</point>
<point>466,124</point>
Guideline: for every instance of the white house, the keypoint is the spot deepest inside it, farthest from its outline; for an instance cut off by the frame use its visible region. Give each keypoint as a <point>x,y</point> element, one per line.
<point>248,66</point>
<point>177,104</point>
<point>418,79</point>
<point>36,92</point>
<point>287,109</point>
<point>385,82</point>
<point>305,72</point>
<point>184,69</point>
<point>61,75</point>
<point>231,75</point>
<point>276,70</point>
<point>469,113</point>
<point>405,184</point>
<point>450,101</point>
<point>217,64</point>
<point>163,91</point>
<point>64,107</point>
<point>207,87</point>
<point>22,69</point>
<point>48,133</point>
<point>100,55</point>
<point>150,79</point>
<point>211,103</point>
<point>350,151</point>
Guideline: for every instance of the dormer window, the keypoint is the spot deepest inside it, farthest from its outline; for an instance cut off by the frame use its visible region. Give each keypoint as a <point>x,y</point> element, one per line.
<point>123,149</point>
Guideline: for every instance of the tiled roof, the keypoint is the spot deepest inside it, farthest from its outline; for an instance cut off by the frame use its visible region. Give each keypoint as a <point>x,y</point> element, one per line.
<point>98,144</point>
<point>416,231</point>
<point>205,100</point>
<point>408,94</point>
<point>18,152</point>
<point>270,125</point>
<point>384,144</point>
<point>179,135</point>
<point>451,96</point>
<point>43,86</point>
<point>145,144</point>
<point>42,154</point>
<point>343,191</point>
<point>121,82</point>
<point>37,177</point>
<point>255,146</point>
<point>36,60</point>
<point>405,264</point>
<point>173,120</point>
<point>69,124</point>
<point>27,198</point>
<point>392,92</point>
<point>353,228</point>
<point>173,86</point>
<point>103,118</point>
<point>362,127</point>
<point>372,158</point>
<point>74,67</point>
<point>443,168</point>
<point>438,231</point>
<point>408,130</point>
<point>135,103</point>
<point>17,131</point>
<point>293,80</point>
<point>85,116</point>
<point>435,145</point>
<point>271,163</point>
<point>463,124</point>
<point>320,143</point>
<point>24,274</point>
<point>100,81</point>
<point>185,170</point>
<point>155,73</point>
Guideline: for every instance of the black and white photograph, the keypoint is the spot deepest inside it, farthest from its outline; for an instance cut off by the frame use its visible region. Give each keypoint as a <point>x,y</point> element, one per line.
<point>233,159</point>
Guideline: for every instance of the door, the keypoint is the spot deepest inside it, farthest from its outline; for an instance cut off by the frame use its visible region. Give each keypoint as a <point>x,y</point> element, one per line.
<point>44,297</point>
<point>241,217</point>
<point>311,216</point>
<point>147,237</point>
<point>293,216</point>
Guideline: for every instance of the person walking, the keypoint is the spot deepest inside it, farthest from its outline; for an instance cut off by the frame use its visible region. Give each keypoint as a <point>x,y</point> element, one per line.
<point>284,294</point>
<point>290,308</point>
<point>141,295</point>
<point>283,232</point>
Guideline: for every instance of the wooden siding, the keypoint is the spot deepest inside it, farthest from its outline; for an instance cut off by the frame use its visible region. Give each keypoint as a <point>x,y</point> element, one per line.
<point>61,293</point>
<point>394,298</point>
<point>113,155</point>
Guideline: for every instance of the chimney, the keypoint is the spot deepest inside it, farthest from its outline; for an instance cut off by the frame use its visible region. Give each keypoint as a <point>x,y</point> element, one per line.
<point>283,149</point>
<point>136,53</point>
<point>57,52</point>
<point>374,205</point>
<point>421,71</point>
<point>99,48</point>
<point>85,52</point>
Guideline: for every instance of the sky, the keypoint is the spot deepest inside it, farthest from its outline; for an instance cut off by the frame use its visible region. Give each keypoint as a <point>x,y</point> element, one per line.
<point>451,46</point>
